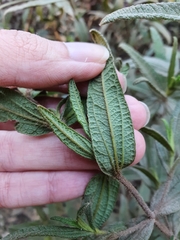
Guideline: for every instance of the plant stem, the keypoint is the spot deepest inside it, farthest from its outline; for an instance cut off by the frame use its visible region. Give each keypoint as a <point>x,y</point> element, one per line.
<point>163,229</point>
<point>136,195</point>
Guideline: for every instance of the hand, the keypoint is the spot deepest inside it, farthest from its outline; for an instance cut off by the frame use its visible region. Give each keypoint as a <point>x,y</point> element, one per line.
<point>41,170</point>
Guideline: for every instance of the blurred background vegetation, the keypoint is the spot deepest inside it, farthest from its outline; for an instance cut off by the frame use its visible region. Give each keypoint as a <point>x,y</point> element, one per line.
<point>71,21</point>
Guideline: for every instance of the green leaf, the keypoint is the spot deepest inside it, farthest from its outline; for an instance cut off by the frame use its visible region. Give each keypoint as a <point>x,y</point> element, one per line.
<point>158,45</point>
<point>149,174</point>
<point>78,106</point>
<point>162,30</point>
<point>172,65</point>
<point>14,106</point>
<point>151,85</point>
<point>68,114</point>
<point>109,118</point>
<point>100,195</point>
<point>157,80</point>
<point>54,231</point>
<point>66,221</point>
<point>170,11</point>
<point>67,135</point>
<point>158,137</point>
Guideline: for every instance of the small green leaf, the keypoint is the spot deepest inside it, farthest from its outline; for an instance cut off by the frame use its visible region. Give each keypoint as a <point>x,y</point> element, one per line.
<point>162,30</point>
<point>54,231</point>
<point>109,118</point>
<point>152,86</point>
<point>81,214</point>
<point>14,106</point>
<point>158,137</point>
<point>67,135</point>
<point>157,44</point>
<point>172,65</point>
<point>157,80</point>
<point>68,115</point>
<point>101,194</point>
<point>170,11</point>
<point>148,174</point>
<point>78,106</point>
<point>66,221</point>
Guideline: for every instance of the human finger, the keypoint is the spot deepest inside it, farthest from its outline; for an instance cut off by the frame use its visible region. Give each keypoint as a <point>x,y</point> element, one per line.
<point>140,147</point>
<point>139,111</point>
<point>33,62</point>
<point>38,188</point>
<point>24,153</point>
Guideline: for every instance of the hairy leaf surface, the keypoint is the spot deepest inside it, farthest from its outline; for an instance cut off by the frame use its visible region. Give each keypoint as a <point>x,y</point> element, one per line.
<point>54,231</point>
<point>166,199</point>
<point>67,135</point>
<point>68,115</point>
<point>66,221</point>
<point>143,232</point>
<point>101,194</point>
<point>15,106</point>
<point>109,118</point>
<point>169,11</point>
<point>78,106</point>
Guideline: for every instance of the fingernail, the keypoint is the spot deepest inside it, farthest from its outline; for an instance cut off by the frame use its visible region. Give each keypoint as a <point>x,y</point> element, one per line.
<point>87,52</point>
<point>147,113</point>
<point>124,83</point>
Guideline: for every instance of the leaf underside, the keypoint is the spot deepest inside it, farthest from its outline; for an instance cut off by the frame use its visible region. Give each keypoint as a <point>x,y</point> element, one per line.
<point>55,231</point>
<point>67,135</point>
<point>78,106</point>
<point>101,194</point>
<point>15,106</point>
<point>110,123</point>
<point>169,11</point>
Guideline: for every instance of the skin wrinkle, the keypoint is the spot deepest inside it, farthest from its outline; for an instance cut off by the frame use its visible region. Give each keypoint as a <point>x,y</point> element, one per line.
<point>5,189</point>
<point>7,146</point>
<point>51,187</point>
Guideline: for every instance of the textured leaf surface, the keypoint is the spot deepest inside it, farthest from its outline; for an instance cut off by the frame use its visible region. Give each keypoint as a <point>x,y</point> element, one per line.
<point>67,135</point>
<point>157,136</point>
<point>101,194</point>
<point>68,114</point>
<point>143,233</point>
<point>109,118</point>
<point>55,231</point>
<point>78,106</point>
<point>66,221</point>
<point>169,11</point>
<point>166,199</point>
<point>14,106</point>
<point>157,80</point>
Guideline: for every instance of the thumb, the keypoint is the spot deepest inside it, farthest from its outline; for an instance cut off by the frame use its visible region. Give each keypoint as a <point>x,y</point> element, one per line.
<point>30,61</point>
